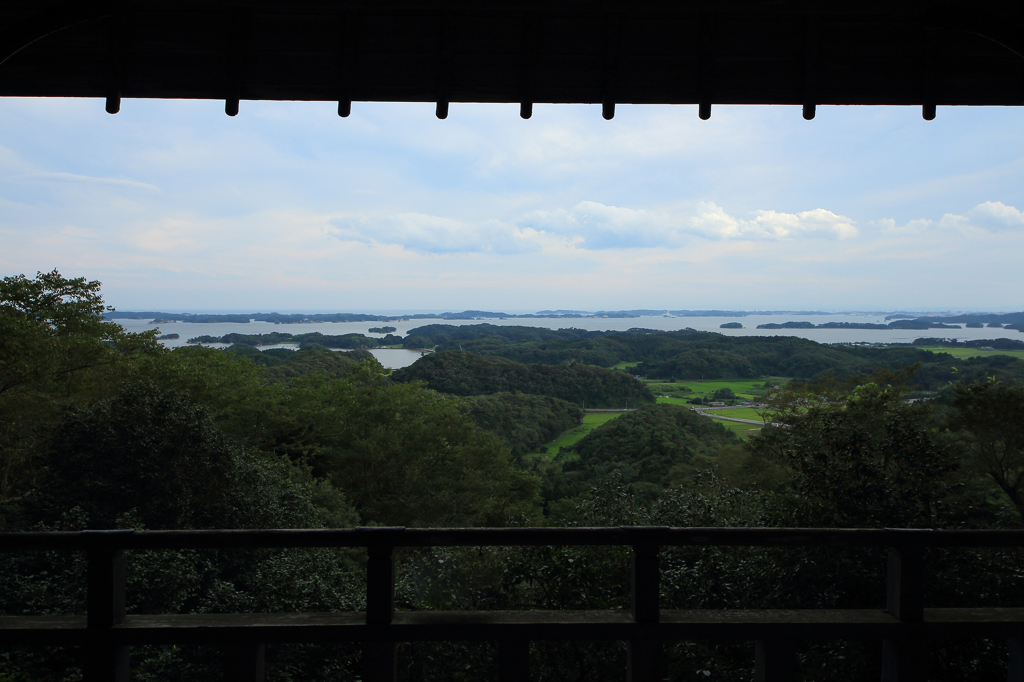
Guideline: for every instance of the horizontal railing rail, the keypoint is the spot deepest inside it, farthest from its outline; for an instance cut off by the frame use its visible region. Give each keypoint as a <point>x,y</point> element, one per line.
<point>509,537</point>
<point>106,632</point>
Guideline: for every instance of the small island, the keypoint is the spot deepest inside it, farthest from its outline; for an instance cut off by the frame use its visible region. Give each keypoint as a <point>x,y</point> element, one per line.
<point>168,337</point>
<point>382,330</point>
<point>730,325</point>
<point>787,325</point>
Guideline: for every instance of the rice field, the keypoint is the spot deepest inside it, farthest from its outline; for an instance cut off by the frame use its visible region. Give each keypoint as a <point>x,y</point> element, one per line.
<point>680,392</point>
<point>973,352</point>
<point>744,431</point>
<point>591,421</point>
<point>737,413</point>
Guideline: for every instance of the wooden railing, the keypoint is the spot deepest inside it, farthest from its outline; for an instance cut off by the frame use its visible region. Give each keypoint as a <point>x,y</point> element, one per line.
<point>106,632</point>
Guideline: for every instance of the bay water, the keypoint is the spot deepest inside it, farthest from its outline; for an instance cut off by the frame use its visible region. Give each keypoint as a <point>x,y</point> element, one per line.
<point>394,358</point>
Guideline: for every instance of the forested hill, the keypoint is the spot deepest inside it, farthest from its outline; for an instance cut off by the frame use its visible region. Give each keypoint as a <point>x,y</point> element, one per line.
<point>523,421</point>
<point>1006,320</point>
<point>643,449</point>
<point>284,364</point>
<point>466,374</point>
<point>713,356</point>
<point>688,354</point>
<point>548,346</point>
<point>349,341</point>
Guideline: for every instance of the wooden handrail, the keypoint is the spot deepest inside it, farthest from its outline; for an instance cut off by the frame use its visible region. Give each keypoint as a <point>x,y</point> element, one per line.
<point>510,537</point>
<point>903,627</point>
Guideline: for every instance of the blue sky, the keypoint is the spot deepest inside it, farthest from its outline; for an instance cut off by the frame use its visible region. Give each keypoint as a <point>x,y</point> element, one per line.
<point>175,206</point>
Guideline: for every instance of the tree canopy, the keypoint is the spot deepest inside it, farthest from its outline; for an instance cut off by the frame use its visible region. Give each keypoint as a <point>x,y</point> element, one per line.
<point>990,416</point>
<point>55,348</point>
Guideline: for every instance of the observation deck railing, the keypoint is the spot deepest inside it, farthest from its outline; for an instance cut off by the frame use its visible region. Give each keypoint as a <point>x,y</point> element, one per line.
<point>106,632</point>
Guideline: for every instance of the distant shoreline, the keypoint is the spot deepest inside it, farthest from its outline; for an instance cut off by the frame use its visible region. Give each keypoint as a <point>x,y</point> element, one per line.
<point>900,320</point>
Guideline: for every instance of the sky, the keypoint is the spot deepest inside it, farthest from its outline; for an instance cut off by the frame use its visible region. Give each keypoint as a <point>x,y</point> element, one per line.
<point>287,207</point>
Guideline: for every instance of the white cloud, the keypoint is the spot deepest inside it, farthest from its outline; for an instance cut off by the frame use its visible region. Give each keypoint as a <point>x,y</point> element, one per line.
<point>914,227</point>
<point>592,226</point>
<point>991,216</point>
<point>435,234</point>
<point>713,222</point>
<point>596,226</point>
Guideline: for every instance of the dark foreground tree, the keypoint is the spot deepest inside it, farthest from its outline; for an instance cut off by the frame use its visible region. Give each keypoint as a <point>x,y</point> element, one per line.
<point>55,349</point>
<point>157,455</point>
<point>860,455</point>
<point>403,455</point>
<point>152,459</point>
<point>991,417</point>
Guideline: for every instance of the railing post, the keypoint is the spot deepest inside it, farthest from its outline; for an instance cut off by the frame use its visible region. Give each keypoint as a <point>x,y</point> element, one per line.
<point>1015,666</point>
<point>644,660</point>
<point>380,662</point>
<point>903,660</point>
<point>245,663</point>
<point>105,608</point>
<point>775,660</point>
<point>513,660</point>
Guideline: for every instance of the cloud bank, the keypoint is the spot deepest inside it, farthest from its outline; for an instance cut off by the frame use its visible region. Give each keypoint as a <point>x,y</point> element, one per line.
<point>589,226</point>
<point>992,217</point>
<point>172,204</point>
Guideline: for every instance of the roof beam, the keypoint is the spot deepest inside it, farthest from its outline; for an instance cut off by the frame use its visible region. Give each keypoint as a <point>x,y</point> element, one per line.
<point>868,52</point>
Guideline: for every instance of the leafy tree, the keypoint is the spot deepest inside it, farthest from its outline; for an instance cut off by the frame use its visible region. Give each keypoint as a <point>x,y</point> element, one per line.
<point>404,455</point>
<point>228,386</point>
<point>991,417</point>
<point>55,348</point>
<point>860,455</point>
<point>152,458</point>
<point>52,330</point>
<point>157,455</point>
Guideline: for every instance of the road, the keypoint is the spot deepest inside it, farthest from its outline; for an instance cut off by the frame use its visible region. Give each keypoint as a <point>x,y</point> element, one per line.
<point>755,422</point>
